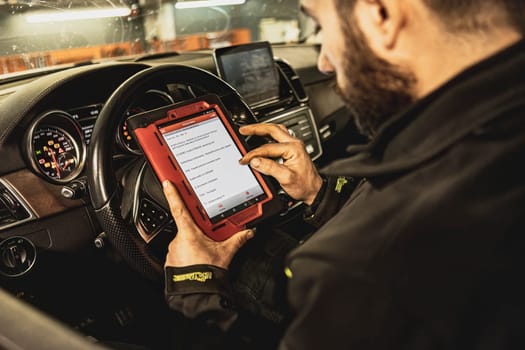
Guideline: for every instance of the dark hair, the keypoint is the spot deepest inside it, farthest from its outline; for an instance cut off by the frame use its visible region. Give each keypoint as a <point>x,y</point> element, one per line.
<point>470,15</point>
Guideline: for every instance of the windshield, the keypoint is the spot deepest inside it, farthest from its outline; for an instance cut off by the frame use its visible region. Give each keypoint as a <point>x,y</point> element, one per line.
<point>38,34</point>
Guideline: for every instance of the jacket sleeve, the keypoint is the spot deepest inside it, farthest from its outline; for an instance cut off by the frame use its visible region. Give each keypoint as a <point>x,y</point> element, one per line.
<point>201,293</point>
<point>334,193</point>
<point>332,307</point>
<point>211,312</point>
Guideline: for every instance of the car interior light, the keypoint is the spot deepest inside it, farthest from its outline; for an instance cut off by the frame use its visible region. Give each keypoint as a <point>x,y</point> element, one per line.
<point>74,15</point>
<point>206,3</point>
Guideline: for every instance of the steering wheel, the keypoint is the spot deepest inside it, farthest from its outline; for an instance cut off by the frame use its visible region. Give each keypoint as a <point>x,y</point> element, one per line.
<point>114,199</point>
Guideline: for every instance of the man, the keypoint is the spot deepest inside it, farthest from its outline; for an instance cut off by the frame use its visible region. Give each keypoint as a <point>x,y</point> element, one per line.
<point>426,251</point>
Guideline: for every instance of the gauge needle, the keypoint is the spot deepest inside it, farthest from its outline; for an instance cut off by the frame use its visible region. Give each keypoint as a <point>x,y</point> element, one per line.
<point>55,162</point>
<point>68,162</point>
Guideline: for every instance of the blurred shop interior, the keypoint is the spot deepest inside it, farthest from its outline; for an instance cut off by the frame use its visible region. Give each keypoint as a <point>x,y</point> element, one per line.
<point>38,34</point>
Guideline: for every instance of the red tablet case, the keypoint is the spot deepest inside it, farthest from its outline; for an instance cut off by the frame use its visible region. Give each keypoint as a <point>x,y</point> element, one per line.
<point>148,128</point>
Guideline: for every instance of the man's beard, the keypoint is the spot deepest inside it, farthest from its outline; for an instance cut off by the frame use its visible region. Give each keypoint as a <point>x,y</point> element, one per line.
<point>376,90</point>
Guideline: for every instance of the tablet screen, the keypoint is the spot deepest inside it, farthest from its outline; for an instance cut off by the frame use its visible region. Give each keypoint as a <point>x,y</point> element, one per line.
<point>209,159</point>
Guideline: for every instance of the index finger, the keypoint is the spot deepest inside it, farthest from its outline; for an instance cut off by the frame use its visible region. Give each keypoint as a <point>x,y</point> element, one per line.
<point>178,209</point>
<point>277,132</point>
<point>270,150</point>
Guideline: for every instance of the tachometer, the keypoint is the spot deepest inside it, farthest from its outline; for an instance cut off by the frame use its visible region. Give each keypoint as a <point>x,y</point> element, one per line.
<point>150,100</point>
<point>56,152</point>
<point>55,147</point>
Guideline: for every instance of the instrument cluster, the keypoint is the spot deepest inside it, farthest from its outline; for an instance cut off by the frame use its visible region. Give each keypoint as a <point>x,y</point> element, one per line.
<point>57,140</point>
<point>56,146</point>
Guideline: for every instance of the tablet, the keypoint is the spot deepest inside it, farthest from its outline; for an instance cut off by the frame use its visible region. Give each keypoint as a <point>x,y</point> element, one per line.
<point>195,146</point>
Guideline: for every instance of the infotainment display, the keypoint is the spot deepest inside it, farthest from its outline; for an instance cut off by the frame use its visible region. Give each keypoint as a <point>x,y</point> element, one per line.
<point>251,70</point>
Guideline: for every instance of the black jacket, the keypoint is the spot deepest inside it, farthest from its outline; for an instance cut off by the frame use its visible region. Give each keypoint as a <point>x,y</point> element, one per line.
<point>427,253</point>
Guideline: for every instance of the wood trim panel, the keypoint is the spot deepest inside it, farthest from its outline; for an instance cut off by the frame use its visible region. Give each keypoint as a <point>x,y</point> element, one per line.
<point>41,196</point>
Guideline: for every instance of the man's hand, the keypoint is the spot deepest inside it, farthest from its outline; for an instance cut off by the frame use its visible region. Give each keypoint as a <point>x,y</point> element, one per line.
<point>192,247</point>
<point>297,174</point>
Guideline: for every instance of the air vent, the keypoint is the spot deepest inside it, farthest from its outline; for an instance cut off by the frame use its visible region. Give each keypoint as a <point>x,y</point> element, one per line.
<point>293,79</point>
<point>12,211</point>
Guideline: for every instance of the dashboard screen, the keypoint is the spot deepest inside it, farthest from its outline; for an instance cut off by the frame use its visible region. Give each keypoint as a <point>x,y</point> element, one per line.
<point>251,70</point>
<point>209,159</point>
<point>86,117</point>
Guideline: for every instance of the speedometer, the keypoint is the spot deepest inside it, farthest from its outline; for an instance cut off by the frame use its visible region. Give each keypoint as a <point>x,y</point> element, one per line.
<point>55,147</point>
<point>56,152</point>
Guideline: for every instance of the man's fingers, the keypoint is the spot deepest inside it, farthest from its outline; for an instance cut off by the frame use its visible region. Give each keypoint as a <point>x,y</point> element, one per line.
<point>271,150</point>
<point>270,167</point>
<point>276,131</point>
<point>178,210</point>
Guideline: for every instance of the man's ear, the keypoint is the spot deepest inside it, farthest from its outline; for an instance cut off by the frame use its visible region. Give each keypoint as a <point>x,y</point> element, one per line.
<point>383,20</point>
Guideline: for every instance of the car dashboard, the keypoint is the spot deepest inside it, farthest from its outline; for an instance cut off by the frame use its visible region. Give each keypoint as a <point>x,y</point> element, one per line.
<point>52,247</point>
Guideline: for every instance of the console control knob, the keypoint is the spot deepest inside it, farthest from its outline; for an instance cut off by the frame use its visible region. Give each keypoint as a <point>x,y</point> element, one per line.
<point>17,256</point>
